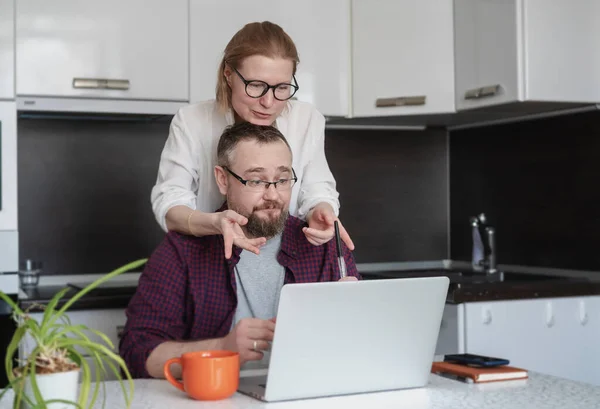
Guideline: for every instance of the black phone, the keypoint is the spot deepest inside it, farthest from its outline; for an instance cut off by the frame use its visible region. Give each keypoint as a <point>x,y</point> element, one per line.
<point>475,360</point>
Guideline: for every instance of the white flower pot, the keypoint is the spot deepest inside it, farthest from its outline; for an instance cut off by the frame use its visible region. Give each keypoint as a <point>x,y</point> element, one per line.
<point>62,385</point>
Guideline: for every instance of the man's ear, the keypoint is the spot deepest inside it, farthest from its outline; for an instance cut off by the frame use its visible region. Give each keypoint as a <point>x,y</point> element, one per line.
<point>221,178</point>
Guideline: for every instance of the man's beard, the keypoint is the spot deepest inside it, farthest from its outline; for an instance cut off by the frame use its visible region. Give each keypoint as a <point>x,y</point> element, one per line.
<point>261,227</point>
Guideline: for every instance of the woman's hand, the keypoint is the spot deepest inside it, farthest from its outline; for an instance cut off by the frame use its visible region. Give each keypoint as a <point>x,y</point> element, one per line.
<point>321,228</point>
<point>229,223</point>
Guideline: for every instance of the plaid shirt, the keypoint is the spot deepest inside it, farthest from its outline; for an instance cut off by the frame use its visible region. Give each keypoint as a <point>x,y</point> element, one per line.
<point>188,289</point>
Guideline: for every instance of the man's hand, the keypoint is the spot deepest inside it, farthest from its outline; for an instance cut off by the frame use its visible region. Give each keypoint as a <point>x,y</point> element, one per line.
<point>248,333</point>
<point>348,278</point>
<point>229,224</point>
<point>321,229</point>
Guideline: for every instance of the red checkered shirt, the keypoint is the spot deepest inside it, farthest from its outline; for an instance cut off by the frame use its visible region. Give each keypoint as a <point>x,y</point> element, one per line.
<point>188,288</point>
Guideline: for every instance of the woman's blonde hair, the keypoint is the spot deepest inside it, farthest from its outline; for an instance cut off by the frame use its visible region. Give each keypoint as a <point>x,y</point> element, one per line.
<point>266,39</point>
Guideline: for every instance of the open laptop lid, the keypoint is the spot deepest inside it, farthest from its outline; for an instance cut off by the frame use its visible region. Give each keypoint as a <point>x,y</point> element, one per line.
<point>340,338</point>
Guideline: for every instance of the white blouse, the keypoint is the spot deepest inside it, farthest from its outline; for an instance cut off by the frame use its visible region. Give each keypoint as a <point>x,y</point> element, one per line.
<point>186,169</point>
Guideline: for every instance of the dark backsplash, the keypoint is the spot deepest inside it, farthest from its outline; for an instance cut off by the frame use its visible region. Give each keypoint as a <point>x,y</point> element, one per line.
<point>84,192</point>
<point>538,184</point>
<point>393,192</point>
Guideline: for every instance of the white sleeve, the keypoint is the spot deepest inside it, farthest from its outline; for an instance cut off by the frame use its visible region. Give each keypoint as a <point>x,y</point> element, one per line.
<point>177,181</point>
<point>318,184</point>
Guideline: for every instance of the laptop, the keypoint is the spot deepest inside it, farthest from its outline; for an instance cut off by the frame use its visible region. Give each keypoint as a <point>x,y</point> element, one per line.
<point>339,338</point>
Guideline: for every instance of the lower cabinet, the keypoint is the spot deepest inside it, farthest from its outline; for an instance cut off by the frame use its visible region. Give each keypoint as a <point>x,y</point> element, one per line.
<point>554,336</point>
<point>108,321</point>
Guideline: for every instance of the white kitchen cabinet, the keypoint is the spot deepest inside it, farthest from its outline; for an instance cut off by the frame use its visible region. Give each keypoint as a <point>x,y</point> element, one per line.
<point>451,335</point>
<point>526,50</point>
<point>320,30</point>
<point>402,57</point>
<point>133,50</point>
<point>583,320</point>
<point>543,335</point>
<point>108,321</point>
<point>7,49</point>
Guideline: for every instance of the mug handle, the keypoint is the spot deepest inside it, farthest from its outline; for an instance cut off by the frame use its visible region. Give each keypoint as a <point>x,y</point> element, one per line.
<point>169,376</point>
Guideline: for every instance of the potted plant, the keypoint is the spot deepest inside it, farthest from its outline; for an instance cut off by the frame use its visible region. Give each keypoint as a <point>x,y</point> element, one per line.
<point>49,376</point>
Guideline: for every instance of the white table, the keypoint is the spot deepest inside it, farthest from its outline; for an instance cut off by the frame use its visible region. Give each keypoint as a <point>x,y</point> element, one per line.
<point>537,392</point>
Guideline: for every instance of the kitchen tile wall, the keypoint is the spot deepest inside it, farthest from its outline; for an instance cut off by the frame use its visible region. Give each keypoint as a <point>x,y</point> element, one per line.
<point>538,184</point>
<point>84,191</point>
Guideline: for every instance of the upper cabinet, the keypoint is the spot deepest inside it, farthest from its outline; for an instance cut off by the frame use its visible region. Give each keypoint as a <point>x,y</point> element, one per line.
<point>110,49</point>
<point>526,50</point>
<point>402,57</point>
<point>320,30</point>
<point>7,49</point>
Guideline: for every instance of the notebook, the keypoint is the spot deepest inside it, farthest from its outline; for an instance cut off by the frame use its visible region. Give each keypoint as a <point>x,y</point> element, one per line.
<point>476,374</point>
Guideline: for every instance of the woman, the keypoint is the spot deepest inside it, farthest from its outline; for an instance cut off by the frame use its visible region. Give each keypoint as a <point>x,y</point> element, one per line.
<point>255,84</point>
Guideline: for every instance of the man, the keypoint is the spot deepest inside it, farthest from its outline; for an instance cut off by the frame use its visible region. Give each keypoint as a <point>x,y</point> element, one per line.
<point>190,297</point>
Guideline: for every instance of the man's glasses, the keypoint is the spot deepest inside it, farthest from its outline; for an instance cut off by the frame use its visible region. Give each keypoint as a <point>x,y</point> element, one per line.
<point>257,88</point>
<point>262,185</point>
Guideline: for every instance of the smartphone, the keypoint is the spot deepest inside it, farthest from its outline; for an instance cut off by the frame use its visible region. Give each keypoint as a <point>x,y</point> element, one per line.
<point>476,360</point>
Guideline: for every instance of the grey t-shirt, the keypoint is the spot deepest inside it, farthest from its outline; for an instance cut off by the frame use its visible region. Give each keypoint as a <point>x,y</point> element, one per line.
<point>259,279</point>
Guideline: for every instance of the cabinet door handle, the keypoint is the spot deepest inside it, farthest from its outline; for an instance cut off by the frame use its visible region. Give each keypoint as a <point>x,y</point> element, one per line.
<point>486,316</point>
<point>583,315</point>
<point>549,315</point>
<point>481,92</point>
<point>100,83</point>
<point>401,101</point>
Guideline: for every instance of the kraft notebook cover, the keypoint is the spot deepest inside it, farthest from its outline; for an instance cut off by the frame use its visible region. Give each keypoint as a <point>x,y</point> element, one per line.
<point>476,374</point>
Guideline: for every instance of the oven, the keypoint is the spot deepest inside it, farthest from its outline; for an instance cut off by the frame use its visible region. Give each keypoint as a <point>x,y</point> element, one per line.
<point>9,235</point>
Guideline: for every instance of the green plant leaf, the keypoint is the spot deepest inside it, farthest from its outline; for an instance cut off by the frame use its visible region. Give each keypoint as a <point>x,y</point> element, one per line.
<point>50,308</point>
<point>100,372</point>
<point>105,351</point>
<point>117,373</point>
<point>76,330</point>
<point>9,387</point>
<point>102,336</point>
<point>54,334</point>
<point>86,379</point>
<point>19,387</point>
<point>62,401</point>
<point>34,386</point>
<point>12,304</point>
<point>11,349</point>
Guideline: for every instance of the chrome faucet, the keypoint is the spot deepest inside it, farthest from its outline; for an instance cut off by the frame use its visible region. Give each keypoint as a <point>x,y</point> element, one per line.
<point>484,245</point>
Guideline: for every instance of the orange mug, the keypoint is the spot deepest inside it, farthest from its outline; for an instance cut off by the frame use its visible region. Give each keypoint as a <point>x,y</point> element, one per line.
<point>207,375</point>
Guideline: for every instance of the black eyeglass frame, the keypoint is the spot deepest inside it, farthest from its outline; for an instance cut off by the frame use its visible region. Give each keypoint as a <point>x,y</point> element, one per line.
<point>246,82</point>
<point>266,184</point>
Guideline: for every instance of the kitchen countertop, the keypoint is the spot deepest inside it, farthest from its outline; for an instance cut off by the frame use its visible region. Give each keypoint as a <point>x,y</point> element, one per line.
<point>537,392</point>
<point>101,298</point>
<point>475,287</point>
<point>512,282</point>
